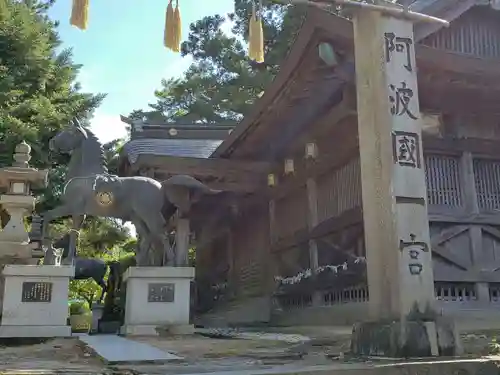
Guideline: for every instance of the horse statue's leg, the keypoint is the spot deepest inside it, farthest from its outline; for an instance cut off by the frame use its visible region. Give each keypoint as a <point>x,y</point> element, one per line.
<point>143,243</point>
<point>155,224</point>
<point>56,213</point>
<point>103,286</point>
<point>77,221</point>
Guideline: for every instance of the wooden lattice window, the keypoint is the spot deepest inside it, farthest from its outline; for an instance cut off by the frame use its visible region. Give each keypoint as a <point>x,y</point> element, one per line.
<point>443,180</point>
<point>487,180</point>
<point>339,190</point>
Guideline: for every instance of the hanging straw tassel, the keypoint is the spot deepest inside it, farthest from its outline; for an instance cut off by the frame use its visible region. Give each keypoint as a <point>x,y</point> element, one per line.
<point>169,22</point>
<point>256,37</point>
<point>177,32</point>
<point>80,14</point>
<point>173,27</point>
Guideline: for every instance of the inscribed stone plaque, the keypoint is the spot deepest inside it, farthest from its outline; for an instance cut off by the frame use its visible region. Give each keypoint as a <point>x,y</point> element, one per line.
<point>160,292</point>
<point>36,292</point>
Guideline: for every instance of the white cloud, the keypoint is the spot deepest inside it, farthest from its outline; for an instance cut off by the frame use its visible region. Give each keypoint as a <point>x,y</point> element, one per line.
<point>107,127</point>
<point>87,77</point>
<point>178,66</point>
<point>227,26</point>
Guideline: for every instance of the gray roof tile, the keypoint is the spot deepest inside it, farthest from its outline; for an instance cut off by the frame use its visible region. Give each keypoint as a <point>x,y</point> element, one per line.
<point>196,148</point>
<point>419,5</point>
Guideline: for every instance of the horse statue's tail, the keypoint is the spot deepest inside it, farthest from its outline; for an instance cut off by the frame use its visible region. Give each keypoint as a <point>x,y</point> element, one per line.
<point>176,187</point>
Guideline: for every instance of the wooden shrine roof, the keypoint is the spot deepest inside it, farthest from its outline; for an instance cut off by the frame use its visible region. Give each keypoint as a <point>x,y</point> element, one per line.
<point>321,26</point>
<point>445,9</point>
<point>150,140</point>
<point>303,92</point>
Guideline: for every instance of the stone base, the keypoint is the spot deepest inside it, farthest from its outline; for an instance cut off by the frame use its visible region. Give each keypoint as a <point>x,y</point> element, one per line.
<point>16,250</point>
<point>35,331</point>
<point>156,297</point>
<point>412,339</point>
<point>35,301</point>
<point>97,310</point>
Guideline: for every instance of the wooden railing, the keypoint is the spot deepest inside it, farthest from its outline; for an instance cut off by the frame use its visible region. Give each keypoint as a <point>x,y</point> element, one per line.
<point>446,292</point>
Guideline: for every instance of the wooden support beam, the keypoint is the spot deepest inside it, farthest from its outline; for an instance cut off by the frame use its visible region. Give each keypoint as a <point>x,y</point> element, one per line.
<point>202,167</point>
<point>470,277</point>
<point>456,146</point>
<point>221,174</point>
<point>491,218</point>
<point>241,187</point>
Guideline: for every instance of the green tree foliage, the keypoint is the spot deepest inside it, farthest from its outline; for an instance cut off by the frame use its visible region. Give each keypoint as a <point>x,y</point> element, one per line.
<point>38,89</point>
<point>39,95</point>
<point>112,154</point>
<point>222,84</point>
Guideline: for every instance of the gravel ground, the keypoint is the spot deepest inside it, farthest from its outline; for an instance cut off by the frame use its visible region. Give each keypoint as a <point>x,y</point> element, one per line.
<point>232,350</point>
<point>53,356</point>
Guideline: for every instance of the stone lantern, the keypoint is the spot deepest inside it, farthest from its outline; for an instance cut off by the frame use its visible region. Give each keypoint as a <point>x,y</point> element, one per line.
<point>34,298</point>
<point>17,182</point>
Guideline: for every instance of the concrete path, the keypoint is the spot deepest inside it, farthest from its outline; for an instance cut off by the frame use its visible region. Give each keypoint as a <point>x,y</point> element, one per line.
<point>116,349</point>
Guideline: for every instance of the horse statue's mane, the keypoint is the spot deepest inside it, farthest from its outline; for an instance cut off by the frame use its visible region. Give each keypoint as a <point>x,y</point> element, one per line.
<point>92,146</point>
<point>92,159</point>
<point>95,145</point>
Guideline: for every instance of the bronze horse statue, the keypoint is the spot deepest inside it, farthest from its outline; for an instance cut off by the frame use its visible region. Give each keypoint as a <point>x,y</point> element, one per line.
<point>85,268</point>
<point>56,254</point>
<point>90,190</point>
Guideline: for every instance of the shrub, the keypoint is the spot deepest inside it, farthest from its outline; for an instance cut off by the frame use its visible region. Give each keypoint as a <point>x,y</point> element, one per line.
<point>78,308</point>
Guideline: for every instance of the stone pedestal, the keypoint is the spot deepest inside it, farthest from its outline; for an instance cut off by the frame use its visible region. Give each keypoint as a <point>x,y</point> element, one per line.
<point>157,297</point>
<point>97,310</point>
<point>35,301</point>
<point>398,253</point>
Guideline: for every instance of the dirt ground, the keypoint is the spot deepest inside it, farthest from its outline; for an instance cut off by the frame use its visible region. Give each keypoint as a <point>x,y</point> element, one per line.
<point>70,356</point>
<point>195,348</point>
<point>53,356</point>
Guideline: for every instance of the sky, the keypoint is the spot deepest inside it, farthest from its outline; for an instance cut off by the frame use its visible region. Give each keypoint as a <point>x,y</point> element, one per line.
<point>122,52</point>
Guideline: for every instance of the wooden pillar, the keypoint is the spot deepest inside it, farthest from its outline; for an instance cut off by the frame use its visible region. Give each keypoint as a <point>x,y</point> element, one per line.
<point>468,183</point>
<point>231,273</point>
<point>182,235</point>
<point>312,220</point>
<point>471,205</point>
<point>273,268</point>
<point>399,262</point>
<point>475,232</point>
<point>272,222</point>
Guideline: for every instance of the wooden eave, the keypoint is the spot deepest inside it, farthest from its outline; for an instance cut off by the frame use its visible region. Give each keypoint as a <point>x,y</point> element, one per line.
<point>427,57</point>
<point>445,9</point>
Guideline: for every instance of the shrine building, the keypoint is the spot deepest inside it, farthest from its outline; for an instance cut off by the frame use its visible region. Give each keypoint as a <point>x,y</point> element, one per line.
<point>291,177</point>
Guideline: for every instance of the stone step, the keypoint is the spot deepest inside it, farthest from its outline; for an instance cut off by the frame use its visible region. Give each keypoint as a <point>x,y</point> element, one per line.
<point>115,349</point>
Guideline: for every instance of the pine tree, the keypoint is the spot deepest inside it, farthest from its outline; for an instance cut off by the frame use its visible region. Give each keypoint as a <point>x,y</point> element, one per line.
<point>222,84</point>
<point>38,89</point>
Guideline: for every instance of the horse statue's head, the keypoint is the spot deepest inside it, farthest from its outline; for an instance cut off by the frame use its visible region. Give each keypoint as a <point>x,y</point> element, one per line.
<point>69,139</point>
<point>87,153</point>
